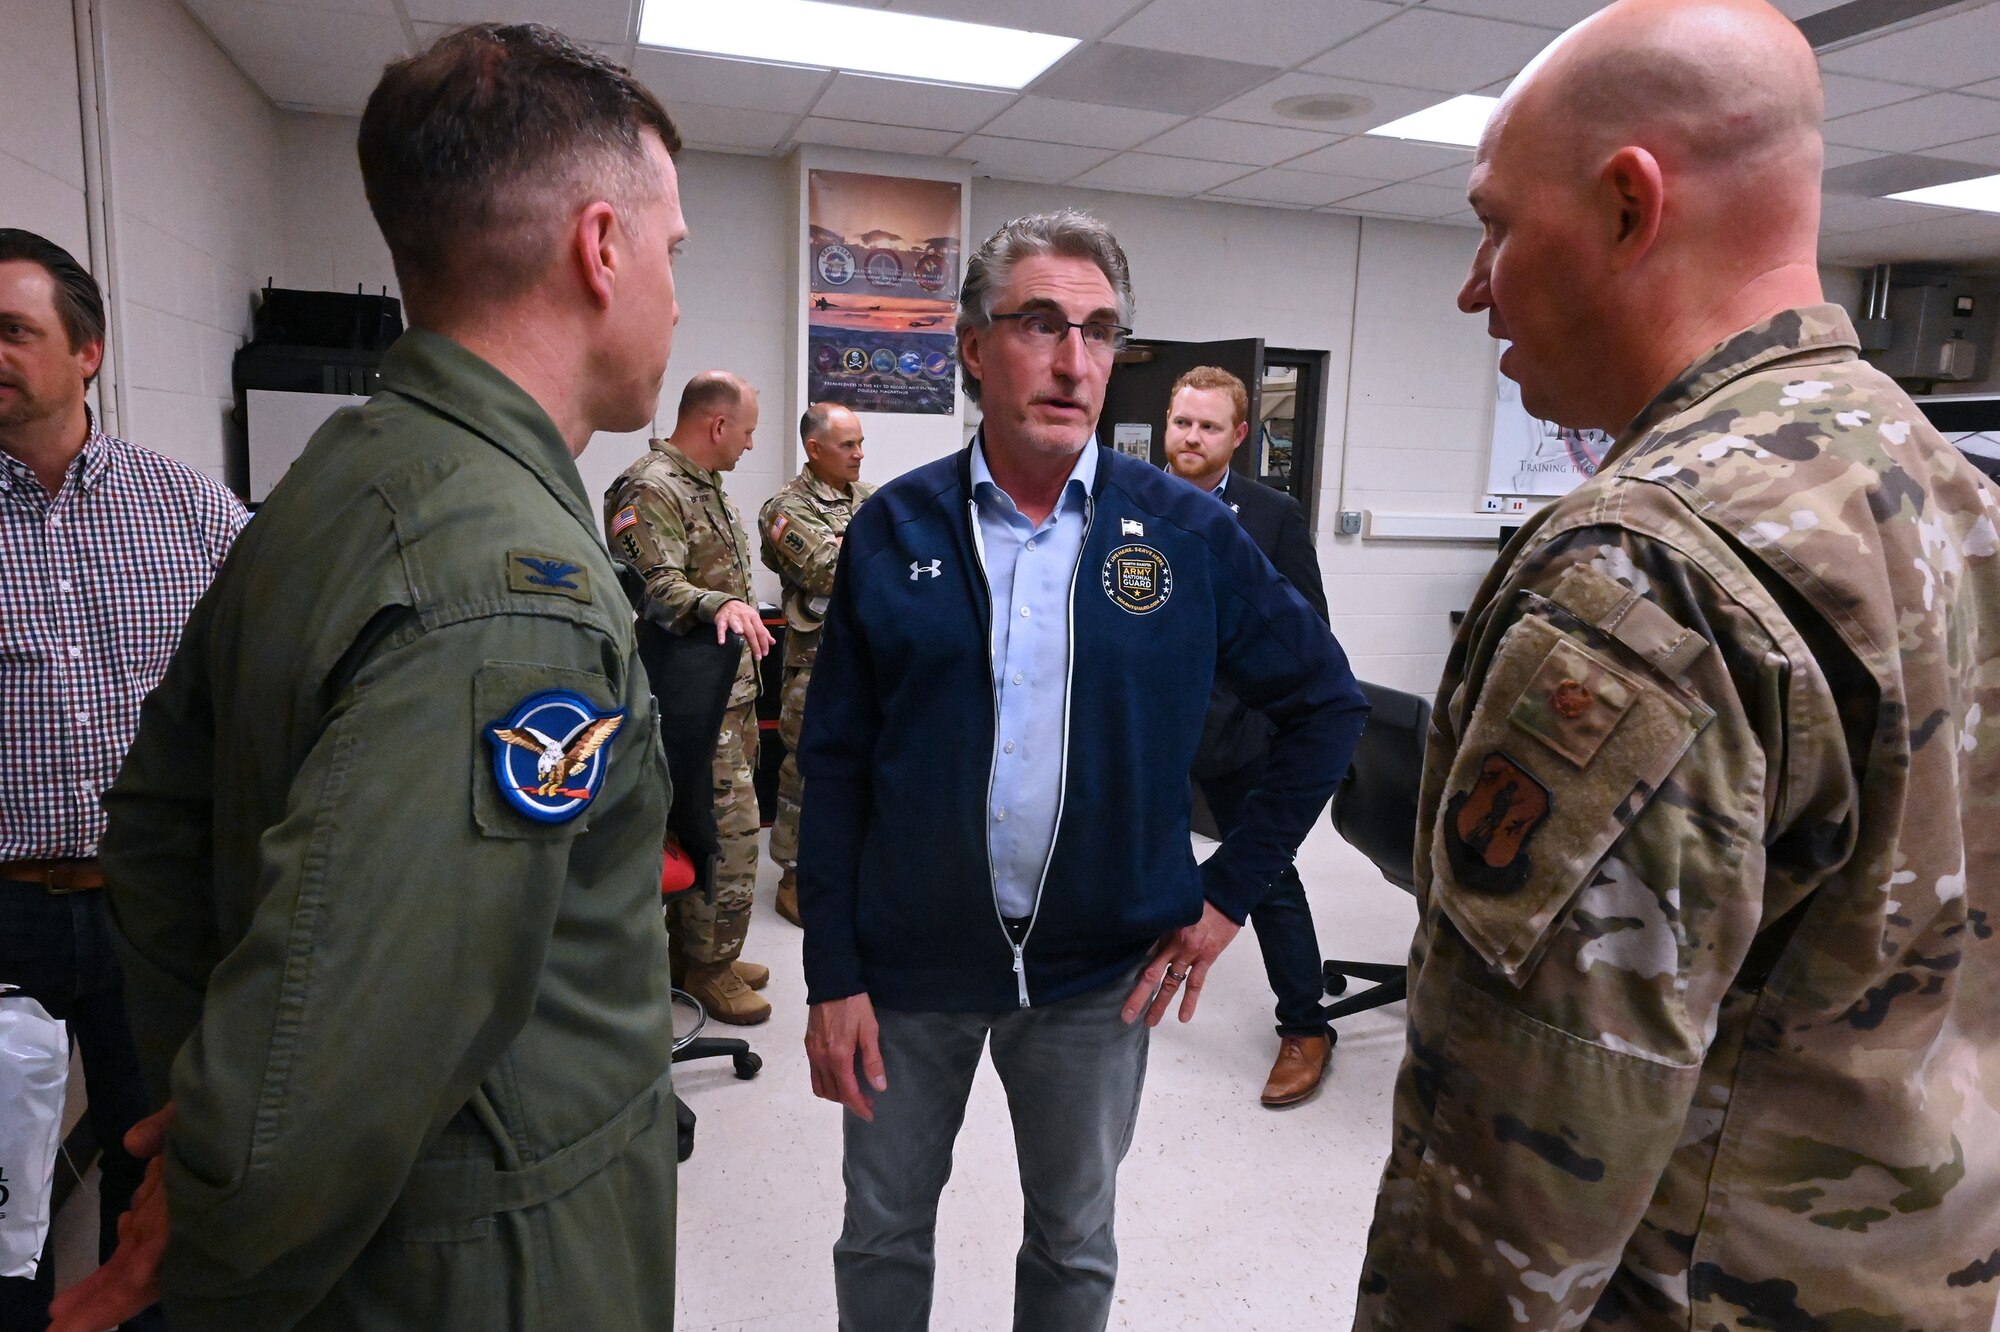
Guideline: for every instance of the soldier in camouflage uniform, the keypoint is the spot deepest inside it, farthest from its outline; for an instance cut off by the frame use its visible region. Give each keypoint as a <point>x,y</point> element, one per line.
<point>802,526</point>
<point>670,523</point>
<point>1704,1015</point>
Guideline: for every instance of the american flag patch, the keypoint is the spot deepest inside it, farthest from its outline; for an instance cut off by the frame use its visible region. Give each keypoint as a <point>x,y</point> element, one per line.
<point>624,518</point>
<point>778,526</point>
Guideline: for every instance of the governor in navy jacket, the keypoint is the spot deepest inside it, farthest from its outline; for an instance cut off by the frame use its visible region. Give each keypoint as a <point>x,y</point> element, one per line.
<point>900,895</point>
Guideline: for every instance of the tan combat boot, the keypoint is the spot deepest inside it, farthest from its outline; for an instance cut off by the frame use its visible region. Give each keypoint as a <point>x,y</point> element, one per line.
<point>788,896</point>
<point>753,974</point>
<point>720,991</point>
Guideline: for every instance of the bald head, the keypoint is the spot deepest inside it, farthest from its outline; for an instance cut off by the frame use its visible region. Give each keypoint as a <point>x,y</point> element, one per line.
<point>832,437</point>
<point>1649,186</point>
<point>718,416</point>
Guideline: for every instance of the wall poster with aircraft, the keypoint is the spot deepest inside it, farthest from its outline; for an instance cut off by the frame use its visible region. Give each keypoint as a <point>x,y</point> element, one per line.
<point>882,265</point>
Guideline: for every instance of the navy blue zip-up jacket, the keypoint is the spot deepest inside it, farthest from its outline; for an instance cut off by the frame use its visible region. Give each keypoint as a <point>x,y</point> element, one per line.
<point>895,883</point>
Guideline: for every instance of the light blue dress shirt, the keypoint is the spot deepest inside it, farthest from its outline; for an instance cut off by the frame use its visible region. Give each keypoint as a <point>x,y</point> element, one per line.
<point>1029,573</point>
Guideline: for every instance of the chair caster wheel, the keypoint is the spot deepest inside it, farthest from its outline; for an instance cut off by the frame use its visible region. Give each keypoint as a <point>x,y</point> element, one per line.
<point>1336,983</point>
<point>747,1065</point>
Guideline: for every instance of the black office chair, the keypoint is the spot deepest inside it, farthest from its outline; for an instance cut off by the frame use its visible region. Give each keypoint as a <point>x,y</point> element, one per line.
<point>1375,809</point>
<point>690,675</point>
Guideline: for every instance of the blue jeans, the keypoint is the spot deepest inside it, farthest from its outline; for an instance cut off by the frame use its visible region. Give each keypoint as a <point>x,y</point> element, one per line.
<point>1073,1073</point>
<point>57,948</point>
<point>1283,921</point>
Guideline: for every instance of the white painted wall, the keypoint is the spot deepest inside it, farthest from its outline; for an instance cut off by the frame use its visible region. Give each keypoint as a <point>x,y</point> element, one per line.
<point>41,127</point>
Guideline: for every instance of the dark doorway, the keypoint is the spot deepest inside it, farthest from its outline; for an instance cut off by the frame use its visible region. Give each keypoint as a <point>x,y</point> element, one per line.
<point>1136,399</point>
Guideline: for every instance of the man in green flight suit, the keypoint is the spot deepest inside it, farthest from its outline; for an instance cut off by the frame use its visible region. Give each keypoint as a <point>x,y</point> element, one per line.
<point>802,526</point>
<point>385,854</point>
<point>672,526</point>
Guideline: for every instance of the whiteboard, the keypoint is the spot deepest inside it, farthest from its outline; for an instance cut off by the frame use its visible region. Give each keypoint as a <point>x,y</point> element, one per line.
<point>279,425</point>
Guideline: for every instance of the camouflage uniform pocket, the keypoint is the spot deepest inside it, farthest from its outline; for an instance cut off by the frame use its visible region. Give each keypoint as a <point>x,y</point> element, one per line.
<point>1563,752</point>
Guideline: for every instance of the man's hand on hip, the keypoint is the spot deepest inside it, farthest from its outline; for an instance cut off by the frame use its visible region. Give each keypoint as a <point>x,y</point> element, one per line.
<point>840,1033</point>
<point>1180,963</point>
<point>740,617</point>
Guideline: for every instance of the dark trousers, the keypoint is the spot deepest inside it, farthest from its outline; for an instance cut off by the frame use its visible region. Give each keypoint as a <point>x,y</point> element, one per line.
<point>1283,922</point>
<point>58,949</point>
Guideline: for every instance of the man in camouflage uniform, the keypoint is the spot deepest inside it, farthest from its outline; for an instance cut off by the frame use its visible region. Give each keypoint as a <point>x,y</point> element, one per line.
<point>670,523</point>
<point>1704,1016</point>
<point>802,526</point>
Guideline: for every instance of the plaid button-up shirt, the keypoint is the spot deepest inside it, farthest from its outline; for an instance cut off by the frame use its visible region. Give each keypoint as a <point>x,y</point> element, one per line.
<point>98,580</point>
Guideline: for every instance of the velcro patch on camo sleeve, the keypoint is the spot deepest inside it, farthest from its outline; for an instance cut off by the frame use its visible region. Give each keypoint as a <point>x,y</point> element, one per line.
<point>1621,612</point>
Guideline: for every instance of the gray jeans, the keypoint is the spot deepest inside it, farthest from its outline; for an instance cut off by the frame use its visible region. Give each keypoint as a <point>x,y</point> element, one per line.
<point>1073,1072</point>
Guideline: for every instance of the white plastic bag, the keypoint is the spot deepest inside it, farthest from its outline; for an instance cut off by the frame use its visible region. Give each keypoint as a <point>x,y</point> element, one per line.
<point>34,1069</point>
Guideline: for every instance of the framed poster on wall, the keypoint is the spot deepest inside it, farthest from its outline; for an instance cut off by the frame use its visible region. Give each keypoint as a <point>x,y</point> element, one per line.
<point>882,275</point>
<point>1536,457</point>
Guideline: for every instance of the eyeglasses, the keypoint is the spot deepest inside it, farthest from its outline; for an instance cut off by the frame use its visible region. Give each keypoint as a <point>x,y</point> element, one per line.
<point>1044,331</point>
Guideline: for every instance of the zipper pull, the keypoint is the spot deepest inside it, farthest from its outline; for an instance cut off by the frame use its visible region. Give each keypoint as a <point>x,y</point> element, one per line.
<point>1021,975</point>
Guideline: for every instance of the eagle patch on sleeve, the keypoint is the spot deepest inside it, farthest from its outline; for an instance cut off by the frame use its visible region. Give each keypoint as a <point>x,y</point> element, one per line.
<point>549,754</point>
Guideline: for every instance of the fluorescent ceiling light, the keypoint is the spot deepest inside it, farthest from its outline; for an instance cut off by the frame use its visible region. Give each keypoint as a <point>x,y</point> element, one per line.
<point>1458,122</point>
<point>1981,194</point>
<point>868,41</point>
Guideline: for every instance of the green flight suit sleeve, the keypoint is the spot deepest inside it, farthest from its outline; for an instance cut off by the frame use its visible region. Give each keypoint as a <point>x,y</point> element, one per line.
<point>798,545</point>
<point>390,962</point>
<point>656,547</point>
<point>1629,738</point>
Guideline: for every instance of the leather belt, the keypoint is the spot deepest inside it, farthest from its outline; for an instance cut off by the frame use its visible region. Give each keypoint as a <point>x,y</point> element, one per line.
<point>54,876</point>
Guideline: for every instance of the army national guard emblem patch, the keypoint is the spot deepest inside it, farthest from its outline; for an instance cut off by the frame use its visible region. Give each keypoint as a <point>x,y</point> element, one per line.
<point>549,753</point>
<point>1138,579</point>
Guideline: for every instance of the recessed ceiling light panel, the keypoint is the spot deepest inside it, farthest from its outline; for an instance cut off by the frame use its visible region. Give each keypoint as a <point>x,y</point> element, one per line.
<point>867,41</point>
<point>1980,194</point>
<point>1458,122</point>
<point>1322,107</point>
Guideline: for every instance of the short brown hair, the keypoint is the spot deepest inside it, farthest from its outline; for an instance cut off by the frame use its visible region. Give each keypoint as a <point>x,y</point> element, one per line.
<point>1207,377</point>
<point>711,393</point>
<point>474,149</point>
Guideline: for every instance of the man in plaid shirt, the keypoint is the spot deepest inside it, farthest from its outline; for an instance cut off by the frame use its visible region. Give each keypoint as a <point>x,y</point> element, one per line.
<point>109,546</point>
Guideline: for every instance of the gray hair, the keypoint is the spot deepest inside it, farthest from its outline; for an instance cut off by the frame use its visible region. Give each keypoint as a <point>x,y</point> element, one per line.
<point>1067,232</point>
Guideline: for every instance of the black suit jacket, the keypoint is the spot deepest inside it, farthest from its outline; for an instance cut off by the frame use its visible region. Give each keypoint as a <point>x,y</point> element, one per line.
<point>1234,737</point>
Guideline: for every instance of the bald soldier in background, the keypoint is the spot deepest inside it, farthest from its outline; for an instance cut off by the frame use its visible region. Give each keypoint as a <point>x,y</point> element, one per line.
<point>671,524</point>
<point>802,526</point>
<point>1704,1016</point>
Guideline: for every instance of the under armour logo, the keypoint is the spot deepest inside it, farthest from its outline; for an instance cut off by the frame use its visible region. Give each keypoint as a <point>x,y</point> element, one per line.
<point>919,570</point>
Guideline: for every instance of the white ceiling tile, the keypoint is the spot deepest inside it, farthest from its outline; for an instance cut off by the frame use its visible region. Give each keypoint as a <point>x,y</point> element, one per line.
<point>1839,216</point>
<point>1382,159</point>
<point>1846,95</point>
<point>1985,88</point>
<point>1051,120</point>
<point>1383,102</point>
<point>1017,159</point>
<point>1913,126</point>
<point>1839,156</point>
<point>1798,9</point>
<point>1268,32</point>
<point>1961,48</point>
<point>1556,14</point>
<point>1302,188</point>
<point>1410,200</point>
<point>1423,49</point>
<point>585,20</point>
<point>324,60</point>
<point>902,102</point>
<point>676,77</point>
<point>1451,178</point>
<point>1236,141</point>
<point>1946,235</point>
<point>1985,151</point>
<point>1069,18</point>
<point>731,127</point>
<point>880,138</point>
<point>1158,175</point>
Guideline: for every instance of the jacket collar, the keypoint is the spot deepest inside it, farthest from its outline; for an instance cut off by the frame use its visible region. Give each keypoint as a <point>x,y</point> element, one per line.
<point>685,465</point>
<point>1090,470</point>
<point>438,372</point>
<point>820,490</point>
<point>1823,331</point>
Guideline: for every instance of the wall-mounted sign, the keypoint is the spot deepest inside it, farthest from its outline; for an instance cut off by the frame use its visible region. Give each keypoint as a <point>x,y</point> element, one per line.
<point>884,268</point>
<point>1135,440</point>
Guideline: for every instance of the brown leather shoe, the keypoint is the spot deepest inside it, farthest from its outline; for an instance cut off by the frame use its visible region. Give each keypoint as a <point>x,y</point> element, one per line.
<point>1302,1064</point>
<point>724,995</point>
<point>753,974</point>
<point>788,896</point>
